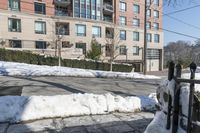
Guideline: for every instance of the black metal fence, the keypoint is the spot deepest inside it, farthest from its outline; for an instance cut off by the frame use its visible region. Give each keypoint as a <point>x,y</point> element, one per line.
<point>175,109</point>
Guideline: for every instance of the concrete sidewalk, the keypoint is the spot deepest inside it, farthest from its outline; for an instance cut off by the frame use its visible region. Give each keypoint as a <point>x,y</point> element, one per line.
<point>110,123</point>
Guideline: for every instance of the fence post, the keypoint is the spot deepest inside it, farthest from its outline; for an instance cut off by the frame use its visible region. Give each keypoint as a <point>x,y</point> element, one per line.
<point>193,68</point>
<point>176,99</point>
<point>170,77</point>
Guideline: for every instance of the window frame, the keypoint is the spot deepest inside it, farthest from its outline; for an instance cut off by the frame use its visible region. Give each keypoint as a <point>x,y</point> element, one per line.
<point>137,50</point>
<point>149,37</point>
<point>77,31</point>
<point>137,36</point>
<point>137,24</point>
<point>44,45</point>
<point>156,14</point>
<point>124,36</point>
<point>121,22</point>
<point>10,23</point>
<point>158,38</point>
<point>122,50</point>
<point>99,31</point>
<point>43,25</point>
<point>136,10</point>
<point>43,12</point>
<point>10,6</point>
<point>20,42</point>
<point>121,5</point>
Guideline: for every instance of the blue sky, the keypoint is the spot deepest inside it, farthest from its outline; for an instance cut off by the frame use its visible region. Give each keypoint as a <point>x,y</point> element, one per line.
<point>191,16</point>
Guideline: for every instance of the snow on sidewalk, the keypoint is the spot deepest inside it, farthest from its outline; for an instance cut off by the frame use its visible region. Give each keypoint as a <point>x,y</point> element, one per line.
<point>22,69</point>
<point>23,108</point>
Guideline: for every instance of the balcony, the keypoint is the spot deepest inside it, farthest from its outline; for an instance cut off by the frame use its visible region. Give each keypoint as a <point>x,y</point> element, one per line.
<point>62,2</point>
<point>108,8</point>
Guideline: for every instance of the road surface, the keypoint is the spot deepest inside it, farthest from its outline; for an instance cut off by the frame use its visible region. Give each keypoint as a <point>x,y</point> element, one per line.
<point>49,86</point>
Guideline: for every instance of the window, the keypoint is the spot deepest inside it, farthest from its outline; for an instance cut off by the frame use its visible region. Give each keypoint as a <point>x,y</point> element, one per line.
<point>122,6</point>
<point>136,8</point>
<point>156,38</point>
<point>135,50</point>
<point>122,35</point>
<point>14,25</point>
<point>40,27</point>
<point>62,28</point>
<point>156,26</point>
<point>40,45</point>
<point>80,30</point>
<point>136,22</point>
<point>109,32</point>
<point>136,36</point>
<point>108,49</point>
<point>156,2</point>
<point>14,5</point>
<point>148,25</point>
<point>148,2</point>
<point>122,20</point>
<point>81,46</point>
<point>15,43</point>
<point>148,37</point>
<point>122,50</point>
<point>149,13</point>
<point>156,14</point>
<point>96,31</point>
<point>40,8</point>
<point>153,54</point>
<point>66,44</point>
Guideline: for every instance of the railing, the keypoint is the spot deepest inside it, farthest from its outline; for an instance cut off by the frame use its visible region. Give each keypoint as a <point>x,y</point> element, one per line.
<point>175,108</point>
<point>108,7</point>
<point>62,2</point>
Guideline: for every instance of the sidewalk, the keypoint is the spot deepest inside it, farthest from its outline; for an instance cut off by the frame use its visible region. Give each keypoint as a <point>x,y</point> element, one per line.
<point>110,123</point>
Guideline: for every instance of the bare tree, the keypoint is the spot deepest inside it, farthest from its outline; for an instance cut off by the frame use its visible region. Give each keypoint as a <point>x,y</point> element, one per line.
<point>113,42</point>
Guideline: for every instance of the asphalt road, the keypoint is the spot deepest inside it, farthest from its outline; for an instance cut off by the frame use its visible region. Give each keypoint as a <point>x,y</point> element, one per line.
<point>49,86</point>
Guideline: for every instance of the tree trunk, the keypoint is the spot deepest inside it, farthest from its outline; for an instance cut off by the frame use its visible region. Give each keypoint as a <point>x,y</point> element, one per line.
<point>111,65</point>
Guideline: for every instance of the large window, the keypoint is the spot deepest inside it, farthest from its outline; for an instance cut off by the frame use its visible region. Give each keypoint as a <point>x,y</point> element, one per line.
<point>109,49</point>
<point>40,45</point>
<point>122,35</point>
<point>109,32</point>
<point>122,6</point>
<point>148,25</point>
<point>14,5</point>
<point>15,43</point>
<point>40,8</point>
<point>156,14</point>
<point>96,31</point>
<point>81,46</point>
<point>149,37</point>
<point>148,2</point>
<point>122,50</point>
<point>77,8</point>
<point>136,8</point>
<point>156,26</point>
<point>156,38</point>
<point>40,27</point>
<point>156,2</point>
<point>83,8</point>
<point>62,28</point>
<point>80,30</point>
<point>135,50</point>
<point>136,22</point>
<point>14,25</point>
<point>136,36</point>
<point>149,13</point>
<point>122,20</point>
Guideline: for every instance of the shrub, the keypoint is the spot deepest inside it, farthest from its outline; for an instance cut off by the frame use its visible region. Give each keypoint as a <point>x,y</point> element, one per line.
<point>30,58</point>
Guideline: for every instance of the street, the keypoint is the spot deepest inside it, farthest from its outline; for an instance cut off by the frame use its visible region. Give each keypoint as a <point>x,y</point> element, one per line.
<point>48,86</point>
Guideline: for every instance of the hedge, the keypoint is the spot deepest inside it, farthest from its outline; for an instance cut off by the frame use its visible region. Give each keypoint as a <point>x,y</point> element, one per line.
<point>30,58</point>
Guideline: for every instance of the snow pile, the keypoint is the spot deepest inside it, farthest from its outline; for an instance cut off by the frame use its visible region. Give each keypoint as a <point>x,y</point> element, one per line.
<point>160,119</point>
<point>21,69</point>
<point>198,70</point>
<point>23,108</point>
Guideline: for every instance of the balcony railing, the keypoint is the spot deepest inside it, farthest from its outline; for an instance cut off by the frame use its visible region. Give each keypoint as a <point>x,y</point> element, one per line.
<point>108,8</point>
<point>62,2</point>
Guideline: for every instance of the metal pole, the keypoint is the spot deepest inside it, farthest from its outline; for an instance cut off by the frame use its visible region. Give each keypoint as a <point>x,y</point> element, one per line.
<point>193,67</point>
<point>59,53</point>
<point>145,41</point>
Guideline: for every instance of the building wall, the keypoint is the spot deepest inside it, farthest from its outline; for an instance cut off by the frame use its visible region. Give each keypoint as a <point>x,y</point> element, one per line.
<point>28,36</point>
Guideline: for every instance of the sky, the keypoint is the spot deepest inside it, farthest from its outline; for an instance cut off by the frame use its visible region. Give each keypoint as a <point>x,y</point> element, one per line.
<point>191,16</point>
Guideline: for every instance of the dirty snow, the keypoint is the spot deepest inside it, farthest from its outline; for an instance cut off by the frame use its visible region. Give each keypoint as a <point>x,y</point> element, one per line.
<point>160,119</point>
<point>22,69</point>
<point>22,108</point>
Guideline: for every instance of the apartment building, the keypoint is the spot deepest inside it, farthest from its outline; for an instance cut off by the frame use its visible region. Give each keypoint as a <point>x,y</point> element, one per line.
<point>44,26</point>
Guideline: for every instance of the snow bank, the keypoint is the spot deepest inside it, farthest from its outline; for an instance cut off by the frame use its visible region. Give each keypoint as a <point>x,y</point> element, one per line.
<point>21,69</point>
<point>160,119</point>
<point>23,108</point>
